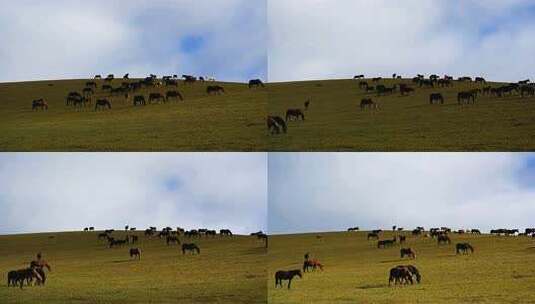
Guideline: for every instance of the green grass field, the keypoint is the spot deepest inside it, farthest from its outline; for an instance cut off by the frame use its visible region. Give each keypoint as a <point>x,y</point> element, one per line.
<point>84,270</point>
<point>501,270</point>
<point>234,121</point>
<point>334,121</point>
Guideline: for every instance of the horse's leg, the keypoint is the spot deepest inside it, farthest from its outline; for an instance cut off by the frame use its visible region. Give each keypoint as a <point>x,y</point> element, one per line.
<point>289,282</point>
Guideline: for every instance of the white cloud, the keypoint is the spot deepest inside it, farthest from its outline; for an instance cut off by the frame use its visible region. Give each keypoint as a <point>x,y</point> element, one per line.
<point>340,38</point>
<point>333,191</point>
<point>74,39</point>
<point>51,192</point>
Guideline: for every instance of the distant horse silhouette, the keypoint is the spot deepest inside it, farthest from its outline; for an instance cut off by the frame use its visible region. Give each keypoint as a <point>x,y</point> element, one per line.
<point>466,97</point>
<point>172,239</point>
<point>102,103</point>
<point>463,248</point>
<point>191,248</point>
<point>275,124</point>
<point>255,83</point>
<point>373,235</point>
<point>367,103</point>
<point>294,114</point>
<point>286,275</point>
<point>436,97</point>
<point>307,104</point>
<point>215,90</point>
<point>312,264</point>
<point>139,100</point>
<point>156,97</point>
<point>135,252</point>
<point>407,252</point>
<point>39,104</point>
<point>358,77</point>
<point>226,232</point>
<point>443,239</point>
<point>173,94</point>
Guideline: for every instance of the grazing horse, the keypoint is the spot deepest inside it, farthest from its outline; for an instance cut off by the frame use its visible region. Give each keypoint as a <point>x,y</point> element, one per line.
<point>405,90</point>
<point>215,90</point>
<point>173,94</point>
<point>465,97</point>
<point>39,104</point>
<point>463,248</point>
<point>527,90</point>
<point>226,232</point>
<point>190,247</point>
<point>172,239</point>
<point>156,97</point>
<point>312,264</point>
<point>275,124</point>
<point>436,97</point>
<point>286,275</point>
<point>255,83</point>
<point>358,77</point>
<point>404,275</point>
<point>18,277</point>
<point>139,100</point>
<point>386,243</point>
<point>368,103</point>
<point>373,235</point>
<point>353,229</point>
<point>135,252</point>
<point>407,252</point>
<point>294,114</point>
<point>102,103</point>
<point>443,239</point>
<point>480,80</point>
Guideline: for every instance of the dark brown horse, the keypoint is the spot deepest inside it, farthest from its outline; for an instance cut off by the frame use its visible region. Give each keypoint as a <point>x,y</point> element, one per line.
<point>286,275</point>
<point>368,103</point>
<point>173,94</point>
<point>275,124</point>
<point>436,97</point>
<point>156,97</point>
<point>215,90</point>
<point>172,239</point>
<point>135,252</point>
<point>191,248</point>
<point>463,248</point>
<point>466,97</point>
<point>443,239</point>
<point>294,114</point>
<point>407,252</point>
<point>102,103</point>
<point>404,275</point>
<point>39,104</point>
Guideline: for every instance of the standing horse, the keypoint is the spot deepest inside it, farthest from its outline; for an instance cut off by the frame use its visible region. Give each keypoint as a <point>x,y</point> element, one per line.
<point>39,104</point>
<point>312,264</point>
<point>173,94</point>
<point>368,103</point>
<point>294,114</point>
<point>135,252</point>
<point>172,239</point>
<point>215,90</point>
<point>407,252</point>
<point>102,103</point>
<point>436,97</point>
<point>255,83</point>
<point>286,275</point>
<point>443,239</point>
<point>466,97</point>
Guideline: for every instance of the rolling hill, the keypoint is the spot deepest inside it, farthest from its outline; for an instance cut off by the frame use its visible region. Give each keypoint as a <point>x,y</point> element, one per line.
<point>84,270</point>
<point>335,122</point>
<point>234,121</point>
<point>356,271</point>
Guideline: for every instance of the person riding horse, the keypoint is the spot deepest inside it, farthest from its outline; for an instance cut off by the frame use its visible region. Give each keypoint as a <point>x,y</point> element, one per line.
<point>38,265</point>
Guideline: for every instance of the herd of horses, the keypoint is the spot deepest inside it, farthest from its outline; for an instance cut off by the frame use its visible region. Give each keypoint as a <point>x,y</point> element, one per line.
<point>102,93</point>
<point>478,86</point>
<point>35,274</point>
<point>402,274</point>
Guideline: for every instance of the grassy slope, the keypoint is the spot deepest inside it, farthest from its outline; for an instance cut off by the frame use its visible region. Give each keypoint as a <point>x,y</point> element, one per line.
<point>500,271</point>
<point>231,122</point>
<point>85,271</point>
<point>334,121</point>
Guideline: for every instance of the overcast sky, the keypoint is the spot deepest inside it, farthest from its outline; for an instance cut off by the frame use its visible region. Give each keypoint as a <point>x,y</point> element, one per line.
<point>316,39</point>
<point>58,192</point>
<point>75,39</point>
<point>311,192</point>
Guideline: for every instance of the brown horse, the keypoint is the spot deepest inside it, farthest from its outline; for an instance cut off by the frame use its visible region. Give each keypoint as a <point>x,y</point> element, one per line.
<point>404,275</point>
<point>135,252</point>
<point>39,104</point>
<point>215,90</point>
<point>173,94</point>
<point>463,248</point>
<point>443,239</point>
<point>436,97</point>
<point>294,114</point>
<point>312,264</point>
<point>102,103</point>
<point>275,124</point>
<point>407,252</point>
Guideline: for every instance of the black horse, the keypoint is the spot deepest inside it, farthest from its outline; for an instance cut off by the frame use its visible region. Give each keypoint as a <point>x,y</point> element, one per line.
<point>386,243</point>
<point>466,97</point>
<point>190,247</point>
<point>286,275</point>
<point>135,252</point>
<point>463,248</point>
<point>368,103</point>
<point>294,114</point>
<point>373,235</point>
<point>139,100</point>
<point>226,232</point>
<point>102,103</point>
<point>436,97</point>
<point>255,83</point>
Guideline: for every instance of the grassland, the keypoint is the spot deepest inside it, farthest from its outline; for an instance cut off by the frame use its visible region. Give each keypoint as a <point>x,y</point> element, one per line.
<point>356,271</point>
<point>84,270</point>
<point>234,121</point>
<point>334,121</point>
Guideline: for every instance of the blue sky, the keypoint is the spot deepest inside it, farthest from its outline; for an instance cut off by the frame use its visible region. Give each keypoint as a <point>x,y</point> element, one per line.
<point>221,39</point>
<point>311,192</point>
<point>69,191</point>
